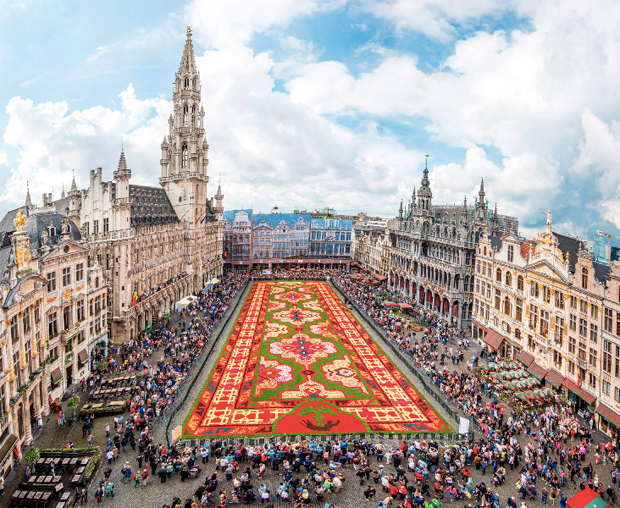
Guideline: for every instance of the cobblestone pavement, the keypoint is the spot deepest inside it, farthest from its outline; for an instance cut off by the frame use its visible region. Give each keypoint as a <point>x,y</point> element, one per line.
<point>156,494</point>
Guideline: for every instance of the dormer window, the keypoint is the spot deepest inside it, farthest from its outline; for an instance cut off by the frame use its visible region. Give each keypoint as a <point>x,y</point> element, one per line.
<point>51,230</point>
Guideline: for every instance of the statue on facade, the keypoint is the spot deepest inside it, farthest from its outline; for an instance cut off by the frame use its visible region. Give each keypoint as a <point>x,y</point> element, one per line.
<point>549,220</point>
<point>19,221</point>
<point>65,227</point>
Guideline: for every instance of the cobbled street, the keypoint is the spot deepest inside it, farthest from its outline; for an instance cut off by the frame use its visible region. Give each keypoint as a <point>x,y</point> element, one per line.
<point>156,494</point>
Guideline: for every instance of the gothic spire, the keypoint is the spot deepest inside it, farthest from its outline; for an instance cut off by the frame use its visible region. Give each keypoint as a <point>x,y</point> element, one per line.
<point>481,194</point>
<point>188,60</point>
<point>73,185</point>
<point>28,200</point>
<point>122,163</point>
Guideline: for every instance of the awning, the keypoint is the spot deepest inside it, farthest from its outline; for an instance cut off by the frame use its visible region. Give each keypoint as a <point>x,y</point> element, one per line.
<point>480,326</point>
<point>570,385</point>
<point>7,448</point>
<point>609,414</point>
<point>525,358</point>
<point>537,371</point>
<point>56,375</point>
<point>493,339</point>
<point>582,394</point>
<point>83,356</point>
<point>379,277</point>
<point>405,306</point>
<point>554,378</point>
<point>587,498</point>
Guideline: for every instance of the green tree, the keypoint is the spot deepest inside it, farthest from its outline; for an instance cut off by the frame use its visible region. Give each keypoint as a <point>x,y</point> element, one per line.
<point>74,402</point>
<point>31,457</point>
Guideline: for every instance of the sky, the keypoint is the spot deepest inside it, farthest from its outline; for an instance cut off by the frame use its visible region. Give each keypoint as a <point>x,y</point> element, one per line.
<point>316,103</point>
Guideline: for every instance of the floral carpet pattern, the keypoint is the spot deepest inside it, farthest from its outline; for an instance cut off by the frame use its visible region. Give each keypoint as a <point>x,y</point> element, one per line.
<point>298,362</point>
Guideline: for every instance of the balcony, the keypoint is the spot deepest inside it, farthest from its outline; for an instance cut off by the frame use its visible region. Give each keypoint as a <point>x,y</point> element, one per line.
<point>156,294</point>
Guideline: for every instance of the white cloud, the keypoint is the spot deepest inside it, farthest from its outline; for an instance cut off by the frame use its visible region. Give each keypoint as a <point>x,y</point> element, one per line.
<point>236,21</point>
<point>536,111</point>
<point>52,142</point>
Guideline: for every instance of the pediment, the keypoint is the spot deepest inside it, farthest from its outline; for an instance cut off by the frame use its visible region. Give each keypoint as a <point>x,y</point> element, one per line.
<point>65,248</point>
<point>546,269</point>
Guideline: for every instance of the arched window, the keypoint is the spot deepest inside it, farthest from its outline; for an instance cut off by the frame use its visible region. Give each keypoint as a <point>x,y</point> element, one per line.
<point>185,114</point>
<point>96,282</point>
<point>498,275</point>
<point>194,83</point>
<point>186,82</point>
<point>508,279</point>
<point>517,334</point>
<point>520,283</point>
<point>184,155</point>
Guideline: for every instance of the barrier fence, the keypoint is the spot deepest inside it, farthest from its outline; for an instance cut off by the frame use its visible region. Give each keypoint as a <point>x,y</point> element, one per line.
<point>179,402</point>
<point>440,397</point>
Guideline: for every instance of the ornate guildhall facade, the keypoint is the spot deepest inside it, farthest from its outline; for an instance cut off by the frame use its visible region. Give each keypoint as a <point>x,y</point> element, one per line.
<point>433,251</point>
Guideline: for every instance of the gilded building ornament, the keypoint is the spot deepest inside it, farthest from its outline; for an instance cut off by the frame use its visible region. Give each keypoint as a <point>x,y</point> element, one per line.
<point>19,221</point>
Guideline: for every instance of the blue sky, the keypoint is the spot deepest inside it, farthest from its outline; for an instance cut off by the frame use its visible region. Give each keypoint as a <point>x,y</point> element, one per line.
<point>314,103</point>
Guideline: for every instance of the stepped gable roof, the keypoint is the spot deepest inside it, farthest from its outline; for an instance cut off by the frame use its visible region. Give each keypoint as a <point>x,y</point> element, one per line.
<point>6,224</point>
<point>150,206</point>
<point>570,245</point>
<point>39,222</point>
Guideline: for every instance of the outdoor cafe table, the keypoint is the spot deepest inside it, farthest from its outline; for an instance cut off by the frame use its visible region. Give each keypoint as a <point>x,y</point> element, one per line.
<point>65,496</point>
<point>85,461</point>
<point>74,461</point>
<point>45,497</point>
<point>76,479</point>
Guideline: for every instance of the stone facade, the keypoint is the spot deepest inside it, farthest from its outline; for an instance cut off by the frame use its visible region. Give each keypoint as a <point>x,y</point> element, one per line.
<point>370,250</point>
<point>548,300</point>
<point>155,244</point>
<point>433,252</point>
<point>46,331</point>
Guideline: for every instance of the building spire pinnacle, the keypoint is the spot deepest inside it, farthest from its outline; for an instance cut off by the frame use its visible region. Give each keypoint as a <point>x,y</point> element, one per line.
<point>122,163</point>
<point>28,200</point>
<point>73,185</point>
<point>188,60</point>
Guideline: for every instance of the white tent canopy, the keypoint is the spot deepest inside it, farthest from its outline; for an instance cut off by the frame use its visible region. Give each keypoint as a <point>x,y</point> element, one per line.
<point>183,303</point>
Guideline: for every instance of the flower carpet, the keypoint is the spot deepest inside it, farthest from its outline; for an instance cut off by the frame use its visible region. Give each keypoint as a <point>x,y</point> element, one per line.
<point>297,362</point>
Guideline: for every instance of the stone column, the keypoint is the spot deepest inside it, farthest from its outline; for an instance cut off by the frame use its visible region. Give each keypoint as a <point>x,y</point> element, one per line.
<point>45,404</point>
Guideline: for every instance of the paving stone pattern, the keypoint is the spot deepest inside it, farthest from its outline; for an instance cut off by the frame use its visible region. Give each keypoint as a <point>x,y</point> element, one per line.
<point>156,494</point>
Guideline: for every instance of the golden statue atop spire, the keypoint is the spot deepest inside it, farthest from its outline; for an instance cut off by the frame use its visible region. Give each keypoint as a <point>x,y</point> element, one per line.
<point>189,29</point>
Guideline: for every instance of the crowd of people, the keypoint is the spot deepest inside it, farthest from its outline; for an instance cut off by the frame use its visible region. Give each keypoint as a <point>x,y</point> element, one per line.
<point>159,287</point>
<point>546,449</point>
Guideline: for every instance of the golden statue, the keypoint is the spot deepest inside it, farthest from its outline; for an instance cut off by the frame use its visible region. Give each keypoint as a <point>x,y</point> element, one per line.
<point>189,29</point>
<point>19,221</point>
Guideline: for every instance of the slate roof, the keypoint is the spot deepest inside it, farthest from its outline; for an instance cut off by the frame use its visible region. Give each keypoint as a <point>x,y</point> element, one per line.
<point>39,222</point>
<point>572,245</point>
<point>5,253</point>
<point>6,224</point>
<point>62,205</point>
<point>601,271</point>
<point>11,293</point>
<point>150,206</point>
<point>496,242</point>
